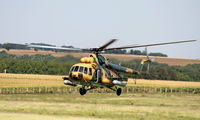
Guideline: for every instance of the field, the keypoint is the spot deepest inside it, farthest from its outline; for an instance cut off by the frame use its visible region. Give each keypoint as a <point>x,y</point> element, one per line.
<point>32,80</point>
<point>100,106</point>
<point>122,57</point>
<point>95,106</point>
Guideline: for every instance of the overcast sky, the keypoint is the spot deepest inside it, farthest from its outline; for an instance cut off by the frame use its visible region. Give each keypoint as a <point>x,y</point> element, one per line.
<point>91,23</point>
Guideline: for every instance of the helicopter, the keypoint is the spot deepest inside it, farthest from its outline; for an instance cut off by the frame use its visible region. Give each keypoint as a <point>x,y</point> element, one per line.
<point>95,71</point>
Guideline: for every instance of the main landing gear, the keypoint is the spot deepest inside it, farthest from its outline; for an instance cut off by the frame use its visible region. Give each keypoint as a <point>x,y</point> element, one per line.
<point>83,91</point>
<point>117,90</point>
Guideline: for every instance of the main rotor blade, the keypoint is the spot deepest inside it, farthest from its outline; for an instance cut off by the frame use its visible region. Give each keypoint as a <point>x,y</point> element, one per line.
<point>53,47</point>
<point>137,46</point>
<point>107,44</point>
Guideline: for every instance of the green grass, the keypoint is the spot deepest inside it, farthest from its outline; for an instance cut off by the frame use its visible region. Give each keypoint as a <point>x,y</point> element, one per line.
<point>139,106</point>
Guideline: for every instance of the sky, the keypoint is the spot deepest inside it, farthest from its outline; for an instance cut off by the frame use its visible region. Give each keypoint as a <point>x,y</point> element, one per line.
<point>91,23</point>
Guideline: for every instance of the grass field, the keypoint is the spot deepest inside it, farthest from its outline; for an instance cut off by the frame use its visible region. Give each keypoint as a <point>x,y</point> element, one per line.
<point>95,106</point>
<point>31,80</point>
<point>100,106</point>
<point>121,57</point>
<point>163,83</point>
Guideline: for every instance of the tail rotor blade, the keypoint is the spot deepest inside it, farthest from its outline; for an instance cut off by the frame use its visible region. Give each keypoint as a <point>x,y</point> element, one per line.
<point>148,68</point>
<point>146,53</point>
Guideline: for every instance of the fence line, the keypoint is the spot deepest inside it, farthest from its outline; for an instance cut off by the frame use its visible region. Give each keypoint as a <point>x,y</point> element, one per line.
<point>64,90</point>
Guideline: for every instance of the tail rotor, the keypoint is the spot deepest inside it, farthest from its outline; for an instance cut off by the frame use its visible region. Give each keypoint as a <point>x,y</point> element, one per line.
<point>149,60</point>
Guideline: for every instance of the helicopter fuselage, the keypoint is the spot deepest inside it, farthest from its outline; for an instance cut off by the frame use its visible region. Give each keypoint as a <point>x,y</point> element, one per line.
<point>95,71</point>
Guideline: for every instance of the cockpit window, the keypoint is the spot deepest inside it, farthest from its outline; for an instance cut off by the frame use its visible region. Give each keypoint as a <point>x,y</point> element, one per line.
<point>81,69</point>
<point>85,70</point>
<point>72,69</point>
<point>90,71</point>
<point>76,68</point>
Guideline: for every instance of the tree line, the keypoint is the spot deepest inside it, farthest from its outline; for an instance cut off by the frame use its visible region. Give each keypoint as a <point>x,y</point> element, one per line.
<point>36,64</point>
<point>47,64</point>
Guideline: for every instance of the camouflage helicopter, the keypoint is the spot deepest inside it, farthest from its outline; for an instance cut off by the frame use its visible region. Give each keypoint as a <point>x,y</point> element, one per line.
<point>96,71</point>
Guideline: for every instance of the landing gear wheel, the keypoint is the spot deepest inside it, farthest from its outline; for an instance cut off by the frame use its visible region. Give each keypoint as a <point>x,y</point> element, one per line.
<point>82,91</point>
<point>119,91</point>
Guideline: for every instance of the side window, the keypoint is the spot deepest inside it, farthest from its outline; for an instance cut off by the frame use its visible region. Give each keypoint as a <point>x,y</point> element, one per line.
<point>85,70</point>
<point>90,71</point>
<point>72,69</point>
<point>81,69</point>
<point>76,68</point>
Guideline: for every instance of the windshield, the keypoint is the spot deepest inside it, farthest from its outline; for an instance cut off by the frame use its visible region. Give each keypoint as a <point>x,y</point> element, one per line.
<point>85,70</point>
<point>76,68</point>
<point>72,69</point>
<point>90,71</point>
<point>81,69</point>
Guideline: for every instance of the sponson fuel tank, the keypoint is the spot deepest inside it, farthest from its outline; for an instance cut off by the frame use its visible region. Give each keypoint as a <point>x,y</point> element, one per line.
<point>121,68</point>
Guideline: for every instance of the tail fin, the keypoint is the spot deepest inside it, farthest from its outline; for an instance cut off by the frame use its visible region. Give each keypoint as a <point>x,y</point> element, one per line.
<point>149,60</point>
<point>142,64</point>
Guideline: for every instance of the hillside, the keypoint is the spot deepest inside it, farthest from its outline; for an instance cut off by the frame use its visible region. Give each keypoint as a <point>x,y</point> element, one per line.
<point>122,57</point>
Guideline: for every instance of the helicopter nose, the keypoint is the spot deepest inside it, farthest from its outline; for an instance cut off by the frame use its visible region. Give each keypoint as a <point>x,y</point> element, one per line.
<point>76,76</point>
<point>73,75</point>
<point>80,76</point>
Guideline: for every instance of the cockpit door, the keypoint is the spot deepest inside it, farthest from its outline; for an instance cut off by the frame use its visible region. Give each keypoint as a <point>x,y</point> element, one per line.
<point>98,75</point>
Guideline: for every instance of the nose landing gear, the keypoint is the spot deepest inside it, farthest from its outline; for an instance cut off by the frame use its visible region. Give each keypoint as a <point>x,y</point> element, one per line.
<point>82,91</point>
<point>118,91</point>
